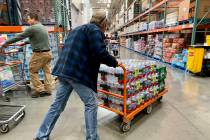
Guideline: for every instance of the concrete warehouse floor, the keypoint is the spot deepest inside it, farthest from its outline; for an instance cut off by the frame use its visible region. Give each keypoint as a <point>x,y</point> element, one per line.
<point>184,114</point>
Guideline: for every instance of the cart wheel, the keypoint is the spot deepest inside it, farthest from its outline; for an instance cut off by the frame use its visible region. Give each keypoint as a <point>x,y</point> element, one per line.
<point>125,127</point>
<point>4,128</point>
<point>160,99</point>
<point>6,99</point>
<point>148,109</point>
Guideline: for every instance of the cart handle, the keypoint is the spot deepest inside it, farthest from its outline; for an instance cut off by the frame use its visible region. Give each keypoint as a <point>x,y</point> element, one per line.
<point>20,44</point>
<point>124,88</point>
<point>124,96</point>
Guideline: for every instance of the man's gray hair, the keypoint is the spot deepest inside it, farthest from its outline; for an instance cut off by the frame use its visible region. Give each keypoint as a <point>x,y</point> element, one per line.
<point>98,18</point>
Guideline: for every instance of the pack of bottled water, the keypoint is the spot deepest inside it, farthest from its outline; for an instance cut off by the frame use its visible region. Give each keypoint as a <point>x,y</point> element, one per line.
<point>144,80</point>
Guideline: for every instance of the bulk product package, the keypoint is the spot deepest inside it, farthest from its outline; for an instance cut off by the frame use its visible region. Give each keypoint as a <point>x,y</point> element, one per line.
<point>158,51</point>
<point>172,46</point>
<point>150,45</point>
<point>145,80</point>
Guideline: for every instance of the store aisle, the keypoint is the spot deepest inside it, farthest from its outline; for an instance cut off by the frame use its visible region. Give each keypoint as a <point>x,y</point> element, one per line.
<point>183,115</point>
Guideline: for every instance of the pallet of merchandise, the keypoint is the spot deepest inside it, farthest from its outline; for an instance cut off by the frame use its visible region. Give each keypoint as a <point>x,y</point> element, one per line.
<point>132,88</point>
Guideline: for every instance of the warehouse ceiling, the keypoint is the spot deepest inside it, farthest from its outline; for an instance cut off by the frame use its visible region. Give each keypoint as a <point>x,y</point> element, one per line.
<point>111,6</point>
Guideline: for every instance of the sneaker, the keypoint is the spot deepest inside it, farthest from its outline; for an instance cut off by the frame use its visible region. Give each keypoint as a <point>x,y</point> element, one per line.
<point>43,94</point>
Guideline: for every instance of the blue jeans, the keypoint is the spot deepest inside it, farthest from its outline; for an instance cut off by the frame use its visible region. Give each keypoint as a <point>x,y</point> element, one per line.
<point>87,95</point>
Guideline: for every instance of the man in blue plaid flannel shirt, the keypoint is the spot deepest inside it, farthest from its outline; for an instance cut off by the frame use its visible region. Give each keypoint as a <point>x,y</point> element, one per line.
<point>77,68</point>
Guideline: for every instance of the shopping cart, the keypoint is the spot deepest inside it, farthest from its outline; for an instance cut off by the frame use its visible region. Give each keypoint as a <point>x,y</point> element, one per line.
<point>114,48</point>
<point>128,116</point>
<point>11,76</point>
<point>12,63</point>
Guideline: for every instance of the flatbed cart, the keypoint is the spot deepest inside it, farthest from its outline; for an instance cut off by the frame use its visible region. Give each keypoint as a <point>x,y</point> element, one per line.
<point>10,115</point>
<point>128,117</point>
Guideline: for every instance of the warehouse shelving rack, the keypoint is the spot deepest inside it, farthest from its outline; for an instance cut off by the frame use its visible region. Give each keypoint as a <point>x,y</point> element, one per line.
<point>194,26</point>
<point>163,6</point>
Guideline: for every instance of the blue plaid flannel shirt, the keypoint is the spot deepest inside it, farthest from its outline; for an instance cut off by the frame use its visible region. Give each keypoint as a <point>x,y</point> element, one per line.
<point>84,50</point>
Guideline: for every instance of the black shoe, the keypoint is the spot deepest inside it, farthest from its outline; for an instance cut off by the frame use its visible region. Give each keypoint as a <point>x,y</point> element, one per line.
<point>43,94</point>
<point>39,139</point>
<point>35,95</point>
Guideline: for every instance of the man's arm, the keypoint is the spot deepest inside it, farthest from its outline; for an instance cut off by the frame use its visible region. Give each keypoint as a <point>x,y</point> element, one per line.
<point>99,48</point>
<point>21,36</point>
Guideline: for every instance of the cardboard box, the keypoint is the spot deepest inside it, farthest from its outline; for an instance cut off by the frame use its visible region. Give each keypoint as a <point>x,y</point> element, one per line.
<point>187,9</point>
<point>145,5</point>
<point>184,9</point>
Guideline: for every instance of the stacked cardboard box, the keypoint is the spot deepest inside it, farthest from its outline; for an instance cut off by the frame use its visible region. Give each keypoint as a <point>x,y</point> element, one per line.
<point>172,18</point>
<point>4,19</point>
<point>44,8</point>
<point>145,5</point>
<point>187,9</point>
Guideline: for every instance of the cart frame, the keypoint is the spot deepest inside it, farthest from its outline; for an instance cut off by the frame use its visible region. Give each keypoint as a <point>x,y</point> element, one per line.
<point>15,118</point>
<point>13,64</point>
<point>128,117</point>
<point>9,117</point>
<point>110,49</point>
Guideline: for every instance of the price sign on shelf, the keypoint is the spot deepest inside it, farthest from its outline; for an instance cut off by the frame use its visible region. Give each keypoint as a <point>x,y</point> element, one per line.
<point>138,85</point>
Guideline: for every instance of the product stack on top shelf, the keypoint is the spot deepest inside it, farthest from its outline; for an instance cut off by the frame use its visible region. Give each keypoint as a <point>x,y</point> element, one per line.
<point>171,19</point>
<point>44,8</point>
<point>187,10</point>
<point>156,25</point>
<point>133,11</point>
<point>4,19</point>
<point>145,80</point>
